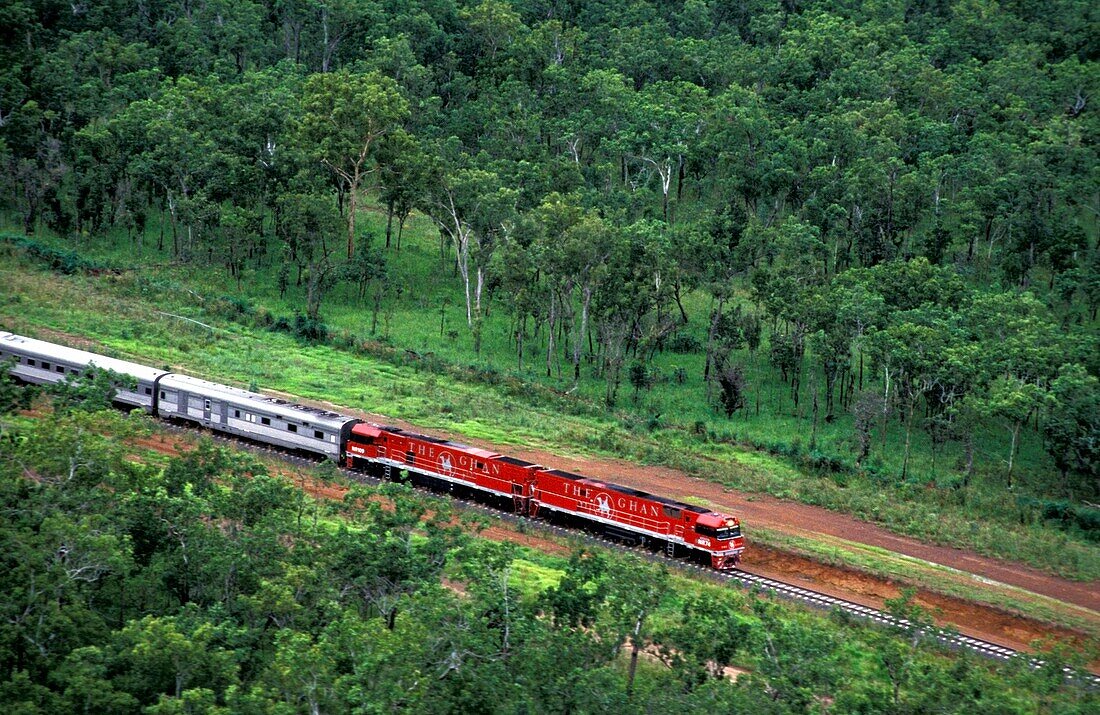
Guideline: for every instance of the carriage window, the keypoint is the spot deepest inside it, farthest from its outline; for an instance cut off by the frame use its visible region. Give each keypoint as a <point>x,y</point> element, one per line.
<point>61,368</point>
<point>265,420</point>
<point>148,390</point>
<point>45,365</point>
<point>30,361</point>
<point>705,530</point>
<point>236,413</point>
<point>318,434</point>
<point>292,428</point>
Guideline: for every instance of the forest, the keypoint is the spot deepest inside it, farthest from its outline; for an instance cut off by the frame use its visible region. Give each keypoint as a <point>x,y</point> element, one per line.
<point>853,242</point>
<point>858,223</point>
<point>895,206</point>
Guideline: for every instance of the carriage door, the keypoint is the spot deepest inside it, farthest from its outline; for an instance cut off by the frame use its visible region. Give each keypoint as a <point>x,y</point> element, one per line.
<point>206,410</point>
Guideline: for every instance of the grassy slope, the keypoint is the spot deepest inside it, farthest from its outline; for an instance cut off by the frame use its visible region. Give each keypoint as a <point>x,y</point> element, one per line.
<point>426,287</point>
<point>122,312</point>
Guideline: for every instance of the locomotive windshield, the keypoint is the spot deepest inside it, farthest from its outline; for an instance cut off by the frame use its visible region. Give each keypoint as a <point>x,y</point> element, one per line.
<point>729,532</point>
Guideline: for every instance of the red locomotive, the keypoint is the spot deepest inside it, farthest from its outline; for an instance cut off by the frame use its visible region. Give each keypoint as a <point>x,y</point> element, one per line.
<point>533,490</point>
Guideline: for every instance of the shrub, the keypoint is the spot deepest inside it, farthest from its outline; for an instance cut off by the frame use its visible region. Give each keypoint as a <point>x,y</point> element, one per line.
<point>67,262</point>
<point>310,330</point>
<point>684,343</point>
<point>1064,514</point>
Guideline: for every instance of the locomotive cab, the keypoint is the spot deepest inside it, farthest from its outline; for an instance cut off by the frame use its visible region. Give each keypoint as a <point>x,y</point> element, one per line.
<point>730,531</point>
<point>362,444</point>
<point>720,535</point>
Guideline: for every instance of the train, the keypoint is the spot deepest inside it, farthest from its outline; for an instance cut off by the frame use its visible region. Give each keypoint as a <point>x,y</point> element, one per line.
<point>388,452</point>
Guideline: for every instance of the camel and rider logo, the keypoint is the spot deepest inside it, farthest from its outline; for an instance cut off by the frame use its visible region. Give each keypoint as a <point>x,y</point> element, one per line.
<point>603,504</point>
<point>445,464</point>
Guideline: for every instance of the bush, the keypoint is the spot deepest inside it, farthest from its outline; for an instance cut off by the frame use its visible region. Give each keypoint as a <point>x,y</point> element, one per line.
<point>1065,515</point>
<point>684,343</point>
<point>310,330</point>
<point>302,327</point>
<point>67,262</point>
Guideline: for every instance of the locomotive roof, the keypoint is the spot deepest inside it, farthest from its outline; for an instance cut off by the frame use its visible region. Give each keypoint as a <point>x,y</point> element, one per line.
<point>367,429</point>
<point>475,451</point>
<point>42,349</point>
<point>628,491</point>
<point>516,462</point>
<point>256,401</point>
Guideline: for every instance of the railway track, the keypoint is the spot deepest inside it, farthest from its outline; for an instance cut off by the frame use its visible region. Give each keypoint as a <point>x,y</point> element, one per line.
<point>739,578</point>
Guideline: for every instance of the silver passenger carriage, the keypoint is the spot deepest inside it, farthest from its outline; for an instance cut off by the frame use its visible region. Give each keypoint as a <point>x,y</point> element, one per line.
<point>248,414</point>
<point>172,396</point>
<point>41,363</point>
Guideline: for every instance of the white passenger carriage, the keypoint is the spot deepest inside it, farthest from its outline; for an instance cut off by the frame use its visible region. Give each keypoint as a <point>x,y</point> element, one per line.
<point>221,408</point>
<point>250,414</point>
<point>39,362</point>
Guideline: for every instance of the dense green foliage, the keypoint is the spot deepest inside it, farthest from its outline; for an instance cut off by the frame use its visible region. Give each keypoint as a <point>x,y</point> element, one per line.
<point>869,229</point>
<point>202,584</point>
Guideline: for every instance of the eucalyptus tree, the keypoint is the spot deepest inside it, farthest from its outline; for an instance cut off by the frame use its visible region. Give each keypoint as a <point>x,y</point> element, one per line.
<point>1071,430</point>
<point>474,211</point>
<point>571,254</point>
<point>171,147</point>
<point>308,226</point>
<point>910,352</point>
<point>662,129</point>
<point>402,178</point>
<point>345,117</point>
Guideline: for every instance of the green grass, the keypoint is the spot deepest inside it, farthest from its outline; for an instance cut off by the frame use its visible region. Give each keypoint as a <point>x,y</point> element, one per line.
<point>129,313</point>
